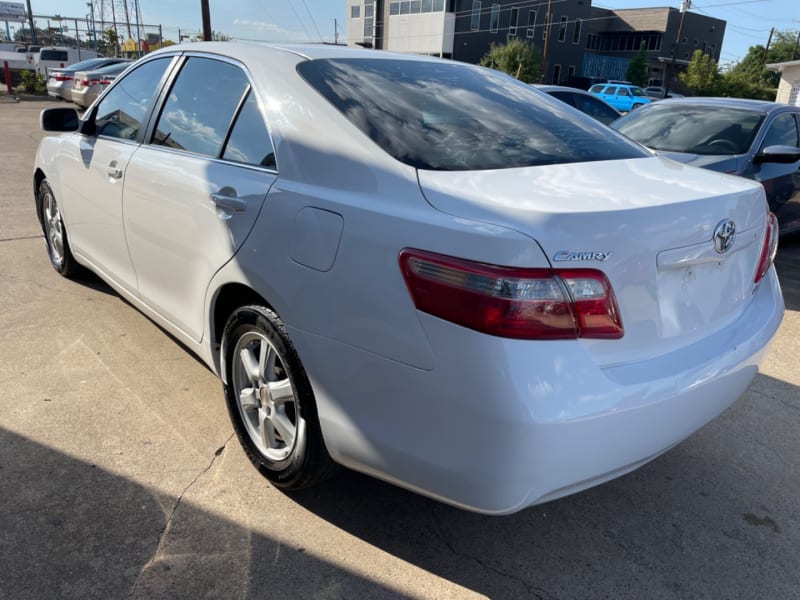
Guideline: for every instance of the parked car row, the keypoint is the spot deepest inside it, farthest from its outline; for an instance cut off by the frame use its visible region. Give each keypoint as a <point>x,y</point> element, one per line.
<point>81,83</point>
<point>419,269</point>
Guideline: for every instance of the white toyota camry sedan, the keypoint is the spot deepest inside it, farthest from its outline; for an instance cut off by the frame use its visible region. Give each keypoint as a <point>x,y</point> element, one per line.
<point>419,269</point>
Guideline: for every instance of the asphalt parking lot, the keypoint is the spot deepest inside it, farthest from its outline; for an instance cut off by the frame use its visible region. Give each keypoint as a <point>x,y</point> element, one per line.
<point>120,475</point>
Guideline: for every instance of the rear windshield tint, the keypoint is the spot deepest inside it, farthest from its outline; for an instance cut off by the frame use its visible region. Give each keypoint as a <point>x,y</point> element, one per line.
<point>58,55</point>
<point>453,117</point>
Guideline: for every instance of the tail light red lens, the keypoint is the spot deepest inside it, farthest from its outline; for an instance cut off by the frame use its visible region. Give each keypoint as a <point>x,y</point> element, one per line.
<point>545,304</point>
<point>770,247</point>
<point>105,81</point>
<point>60,77</point>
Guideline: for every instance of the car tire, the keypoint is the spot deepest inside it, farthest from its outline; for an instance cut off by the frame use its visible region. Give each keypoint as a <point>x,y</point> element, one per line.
<point>55,233</point>
<point>635,106</point>
<point>271,402</point>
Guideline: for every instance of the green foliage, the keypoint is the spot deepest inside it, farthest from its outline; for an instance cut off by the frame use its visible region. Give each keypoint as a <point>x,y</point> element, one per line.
<point>748,79</point>
<point>702,76</point>
<point>637,72</point>
<point>32,83</point>
<point>108,42</point>
<point>515,57</point>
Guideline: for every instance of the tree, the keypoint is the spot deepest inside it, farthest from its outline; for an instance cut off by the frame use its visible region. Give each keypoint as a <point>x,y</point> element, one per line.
<point>702,76</point>
<point>780,50</point>
<point>516,57</point>
<point>637,72</point>
<point>108,42</point>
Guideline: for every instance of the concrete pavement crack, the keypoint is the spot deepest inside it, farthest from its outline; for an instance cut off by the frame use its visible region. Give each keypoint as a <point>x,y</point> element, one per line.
<point>165,529</point>
<point>536,592</point>
<point>21,238</point>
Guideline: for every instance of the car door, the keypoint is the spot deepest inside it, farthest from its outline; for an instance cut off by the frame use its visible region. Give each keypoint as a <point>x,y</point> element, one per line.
<point>95,167</point>
<point>609,94</point>
<point>781,181</point>
<point>193,192</point>
<point>624,100</point>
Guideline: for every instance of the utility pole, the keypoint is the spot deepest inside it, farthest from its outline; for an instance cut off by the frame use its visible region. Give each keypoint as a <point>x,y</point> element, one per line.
<point>766,49</point>
<point>30,22</point>
<point>206,20</point>
<point>335,31</point>
<point>685,5</point>
<point>94,26</point>
<point>546,51</point>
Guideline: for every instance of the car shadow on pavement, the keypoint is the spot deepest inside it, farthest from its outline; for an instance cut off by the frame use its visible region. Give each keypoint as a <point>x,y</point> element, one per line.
<point>714,517</point>
<point>70,529</point>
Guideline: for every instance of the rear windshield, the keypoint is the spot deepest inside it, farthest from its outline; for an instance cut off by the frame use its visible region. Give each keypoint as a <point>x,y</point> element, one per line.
<point>453,117</point>
<point>678,127</point>
<point>57,55</point>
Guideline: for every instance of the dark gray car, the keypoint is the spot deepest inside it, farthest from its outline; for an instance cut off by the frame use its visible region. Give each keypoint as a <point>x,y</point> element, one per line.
<point>583,101</point>
<point>751,138</point>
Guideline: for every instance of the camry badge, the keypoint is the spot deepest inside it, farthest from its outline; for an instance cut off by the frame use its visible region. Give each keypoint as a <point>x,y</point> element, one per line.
<point>724,233</point>
<point>566,255</point>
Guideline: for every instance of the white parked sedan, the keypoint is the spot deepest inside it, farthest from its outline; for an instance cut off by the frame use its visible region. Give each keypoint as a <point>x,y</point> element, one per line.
<point>419,269</point>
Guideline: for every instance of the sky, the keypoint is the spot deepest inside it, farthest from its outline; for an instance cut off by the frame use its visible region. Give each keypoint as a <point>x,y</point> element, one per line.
<point>748,21</point>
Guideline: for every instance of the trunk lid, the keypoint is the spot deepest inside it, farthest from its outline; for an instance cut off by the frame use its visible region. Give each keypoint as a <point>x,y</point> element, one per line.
<point>647,223</point>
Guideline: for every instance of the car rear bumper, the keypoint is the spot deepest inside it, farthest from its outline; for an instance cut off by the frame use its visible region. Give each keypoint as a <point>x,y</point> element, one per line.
<point>498,424</point>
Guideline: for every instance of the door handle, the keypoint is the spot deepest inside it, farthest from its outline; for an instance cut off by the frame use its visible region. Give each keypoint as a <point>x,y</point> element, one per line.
<point>228,201</point>
<point>113,170</point>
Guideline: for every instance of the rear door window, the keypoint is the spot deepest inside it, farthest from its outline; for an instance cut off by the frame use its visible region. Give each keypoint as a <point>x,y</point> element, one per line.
<point>201,106</point>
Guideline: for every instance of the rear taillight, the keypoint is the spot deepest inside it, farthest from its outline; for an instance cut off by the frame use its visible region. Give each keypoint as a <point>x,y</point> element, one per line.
<point>105,81</point>
<point>545,304</point>
<point>88,82</point>
<point>770,247</point>
<point>61,77</point>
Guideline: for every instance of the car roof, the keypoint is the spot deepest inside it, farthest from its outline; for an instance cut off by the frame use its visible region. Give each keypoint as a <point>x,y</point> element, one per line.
<point>741,103</point>
<point>559,88</point>
<point>255,51</point>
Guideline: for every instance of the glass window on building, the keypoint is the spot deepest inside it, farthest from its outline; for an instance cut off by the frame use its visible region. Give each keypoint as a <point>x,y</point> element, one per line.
<point>562,29</point>
<point>494,20</point>
<point>475,22</point>
<point>369,20</point>
<point>531,23</point>
<point>512,23</point>
<point>576,35</point>
<point>355,12</point>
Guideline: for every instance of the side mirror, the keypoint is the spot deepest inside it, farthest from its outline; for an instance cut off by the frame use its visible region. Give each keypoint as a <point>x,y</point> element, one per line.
<point>59,119</point>
<point>778,154</point>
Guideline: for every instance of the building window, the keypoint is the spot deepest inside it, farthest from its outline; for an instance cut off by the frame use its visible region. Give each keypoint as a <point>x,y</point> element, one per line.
<point>512,23</point>
<point>405,7</point>
<point>531,23</point>
<point>556,73</point>
<point>576,35</point>
<point>562,29</point>
<point>591,41</point>
<point>416,7</point>
<point>571,71</point>
<point>438,5</point>
<point>475,22</point>
<point>355,12</point>
<point>369,20</point>
<point>427,6</point>
<point>494,20</point>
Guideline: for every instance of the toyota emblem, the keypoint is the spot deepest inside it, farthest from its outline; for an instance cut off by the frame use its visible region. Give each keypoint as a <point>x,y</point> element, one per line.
<point>724,233</point>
